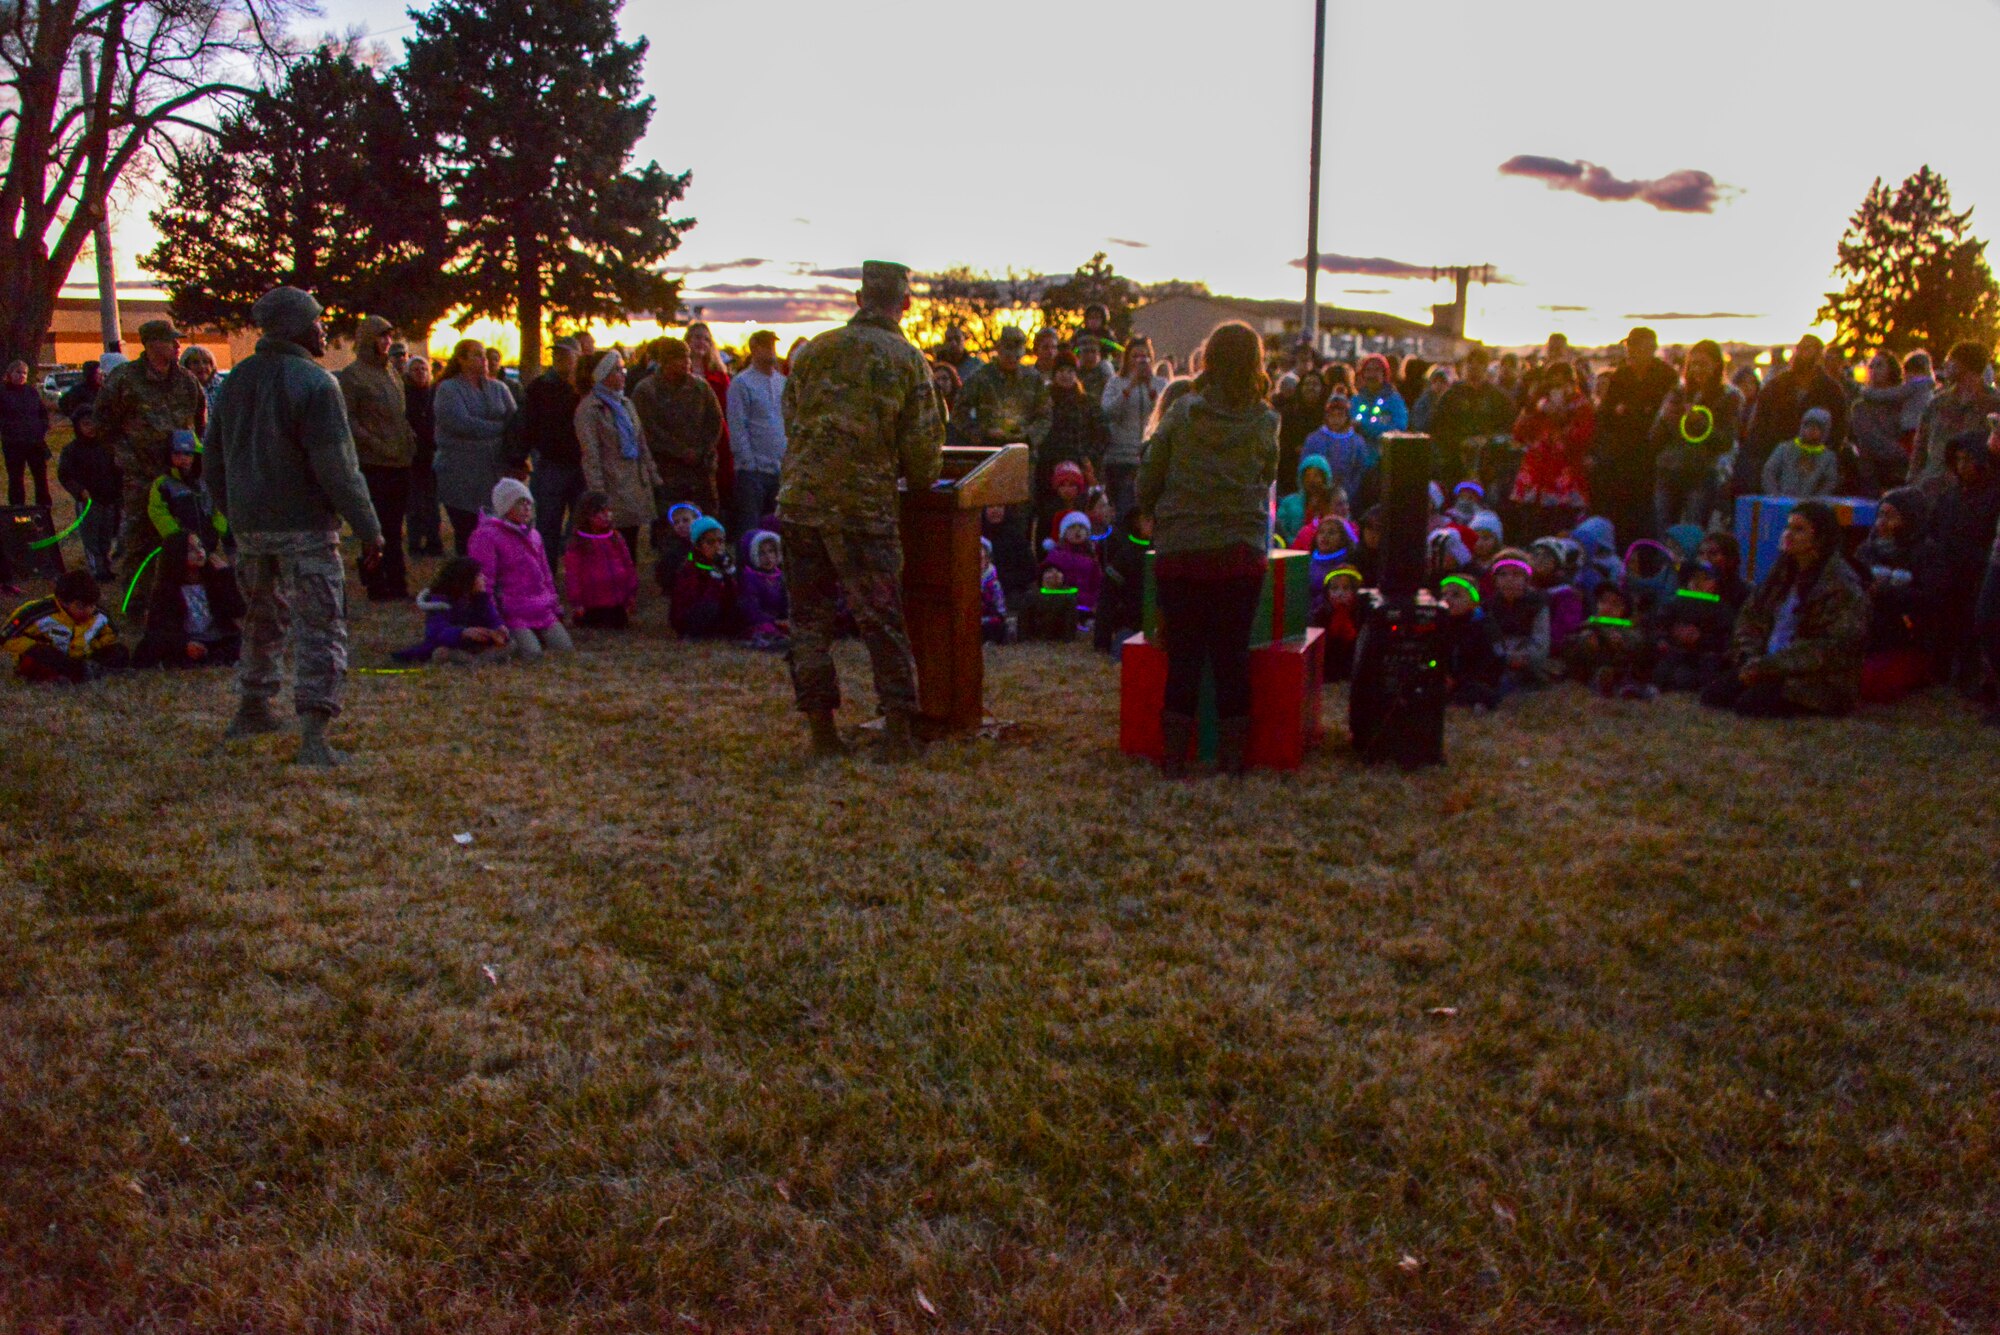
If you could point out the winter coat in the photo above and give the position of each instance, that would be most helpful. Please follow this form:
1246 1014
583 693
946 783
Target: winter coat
628 483
165 639
1556 450
417 410
1081 572
1601 563
280 458
682 424
1775 418
1709 615
517 572
445 625
24 421
705 602
1127 404
1957 549
1565 614
1949 413
1801 471
1076 432
471 429
1687 462
1468 649
1207 477
1624 447
598 571
71 638
1375 415
87 468
174 503
376 411
1821 668
1522 627
1351 456
762 597
549 421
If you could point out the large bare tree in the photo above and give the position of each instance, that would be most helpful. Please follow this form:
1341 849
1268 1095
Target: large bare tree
157 68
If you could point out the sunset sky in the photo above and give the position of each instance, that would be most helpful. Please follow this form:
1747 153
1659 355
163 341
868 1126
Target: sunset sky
1173 136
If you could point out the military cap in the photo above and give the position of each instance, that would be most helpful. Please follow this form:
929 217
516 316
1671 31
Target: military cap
1012 337
884 274
285 310
567 344
159 331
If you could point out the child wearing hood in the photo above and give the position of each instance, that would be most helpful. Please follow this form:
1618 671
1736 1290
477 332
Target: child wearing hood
460 621
1520 616
516 565
1722 551
705 605
767 608
1467 647
1691 632
993 627
1339 612
1609 650
1073 555
1333 545
1887 560
1350 457
598 572
1122 593
1803 467
1307 505
1555 562
672 544
1488 537
1599 542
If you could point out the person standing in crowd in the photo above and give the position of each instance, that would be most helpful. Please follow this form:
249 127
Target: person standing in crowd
1961 404
200 363
756 416
954 353
282 467
1375 407
1781 406
1093 372
24 435
1047 344
1875 425
83 394
1800 640
1206 485
1471 413
1097 325
1624 458
707 362
549 426
422 520
471 411
142 404
1301 403
378 418
682 422
1695 427
1005 402
1437 383
612 447
1127 404
860 414
498 374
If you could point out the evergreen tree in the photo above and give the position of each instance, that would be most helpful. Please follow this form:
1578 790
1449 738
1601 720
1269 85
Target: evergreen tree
534 109
317 183
1914 277
1094 282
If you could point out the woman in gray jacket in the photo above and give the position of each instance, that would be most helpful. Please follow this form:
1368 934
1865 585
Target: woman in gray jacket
472 410
1128 403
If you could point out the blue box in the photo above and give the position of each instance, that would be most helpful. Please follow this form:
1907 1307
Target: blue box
1760 522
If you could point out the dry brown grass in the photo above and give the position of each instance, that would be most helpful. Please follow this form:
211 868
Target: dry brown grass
695 1036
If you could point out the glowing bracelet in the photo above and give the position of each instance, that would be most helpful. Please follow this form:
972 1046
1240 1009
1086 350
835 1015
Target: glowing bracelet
1708 427
1698 595
1608 621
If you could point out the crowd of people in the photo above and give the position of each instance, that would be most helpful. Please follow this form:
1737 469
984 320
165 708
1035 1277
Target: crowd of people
1581 528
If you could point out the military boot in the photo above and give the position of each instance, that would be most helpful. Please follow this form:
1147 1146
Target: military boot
252 718
826 743
313 748
899 739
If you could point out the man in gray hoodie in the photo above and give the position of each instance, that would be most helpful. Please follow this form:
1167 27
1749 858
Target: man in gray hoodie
281 465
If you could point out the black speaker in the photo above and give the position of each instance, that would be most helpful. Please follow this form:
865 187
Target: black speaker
1395 706
21 527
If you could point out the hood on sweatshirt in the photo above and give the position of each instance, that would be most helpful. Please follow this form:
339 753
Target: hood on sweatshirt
365 337
1596 536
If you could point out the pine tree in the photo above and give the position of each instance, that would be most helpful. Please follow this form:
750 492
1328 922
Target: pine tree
1914 277
317 183
534 110
1094 282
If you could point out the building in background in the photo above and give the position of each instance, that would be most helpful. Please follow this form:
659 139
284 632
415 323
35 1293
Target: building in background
75 337
1178 325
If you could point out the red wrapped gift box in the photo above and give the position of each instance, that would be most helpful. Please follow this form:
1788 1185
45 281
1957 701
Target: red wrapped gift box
1285 680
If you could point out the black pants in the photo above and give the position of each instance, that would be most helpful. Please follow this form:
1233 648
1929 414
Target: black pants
422 511
1761 699
1207 624
22 464
462 524
389 491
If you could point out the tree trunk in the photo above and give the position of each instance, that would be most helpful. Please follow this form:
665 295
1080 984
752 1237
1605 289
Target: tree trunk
530 306
28 300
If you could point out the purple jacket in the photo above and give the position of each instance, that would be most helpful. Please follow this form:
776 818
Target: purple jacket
1080 568
598 570
992 599
762 597
517 571
445 625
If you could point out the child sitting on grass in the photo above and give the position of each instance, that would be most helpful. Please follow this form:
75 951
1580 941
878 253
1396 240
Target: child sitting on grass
1555 562
65 638
1074 557
516 565
993 627
1050 612
767 608
1339 612
1520 615
1691 632
194 615
1467 647
598 571
1121 595
671 543
1065 496
1306 506
460 621
1609 650
705 605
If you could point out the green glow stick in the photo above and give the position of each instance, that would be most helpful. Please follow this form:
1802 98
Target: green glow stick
138 575
52 540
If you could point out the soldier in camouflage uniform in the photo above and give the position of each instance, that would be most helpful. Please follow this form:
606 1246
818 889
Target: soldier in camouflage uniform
1004 402
140 407
282 466
859 414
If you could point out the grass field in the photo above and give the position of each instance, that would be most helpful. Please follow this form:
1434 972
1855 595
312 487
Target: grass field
1631 1018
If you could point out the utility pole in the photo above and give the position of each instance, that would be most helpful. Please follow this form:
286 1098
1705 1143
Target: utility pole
107 272
1311 321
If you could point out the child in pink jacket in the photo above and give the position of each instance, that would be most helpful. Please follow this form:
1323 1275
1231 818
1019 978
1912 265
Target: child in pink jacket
598 573
510 552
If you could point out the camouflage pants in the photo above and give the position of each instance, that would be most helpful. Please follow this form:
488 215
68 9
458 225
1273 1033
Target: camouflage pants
819 563
295 586
137 538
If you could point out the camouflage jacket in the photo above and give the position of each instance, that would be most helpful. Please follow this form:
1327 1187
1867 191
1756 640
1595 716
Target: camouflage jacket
1002 409
1821 667
859 414
138 413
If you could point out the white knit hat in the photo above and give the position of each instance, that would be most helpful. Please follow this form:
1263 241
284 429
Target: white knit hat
606 364
506 492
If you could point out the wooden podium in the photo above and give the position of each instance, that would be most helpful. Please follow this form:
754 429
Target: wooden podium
941 580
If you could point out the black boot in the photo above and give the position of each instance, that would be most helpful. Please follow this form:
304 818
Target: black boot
1177 733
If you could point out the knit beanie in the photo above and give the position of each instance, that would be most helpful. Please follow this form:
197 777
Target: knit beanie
285 311
1821 416
1488 522
1073 517
1066 472
702 527
506 492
